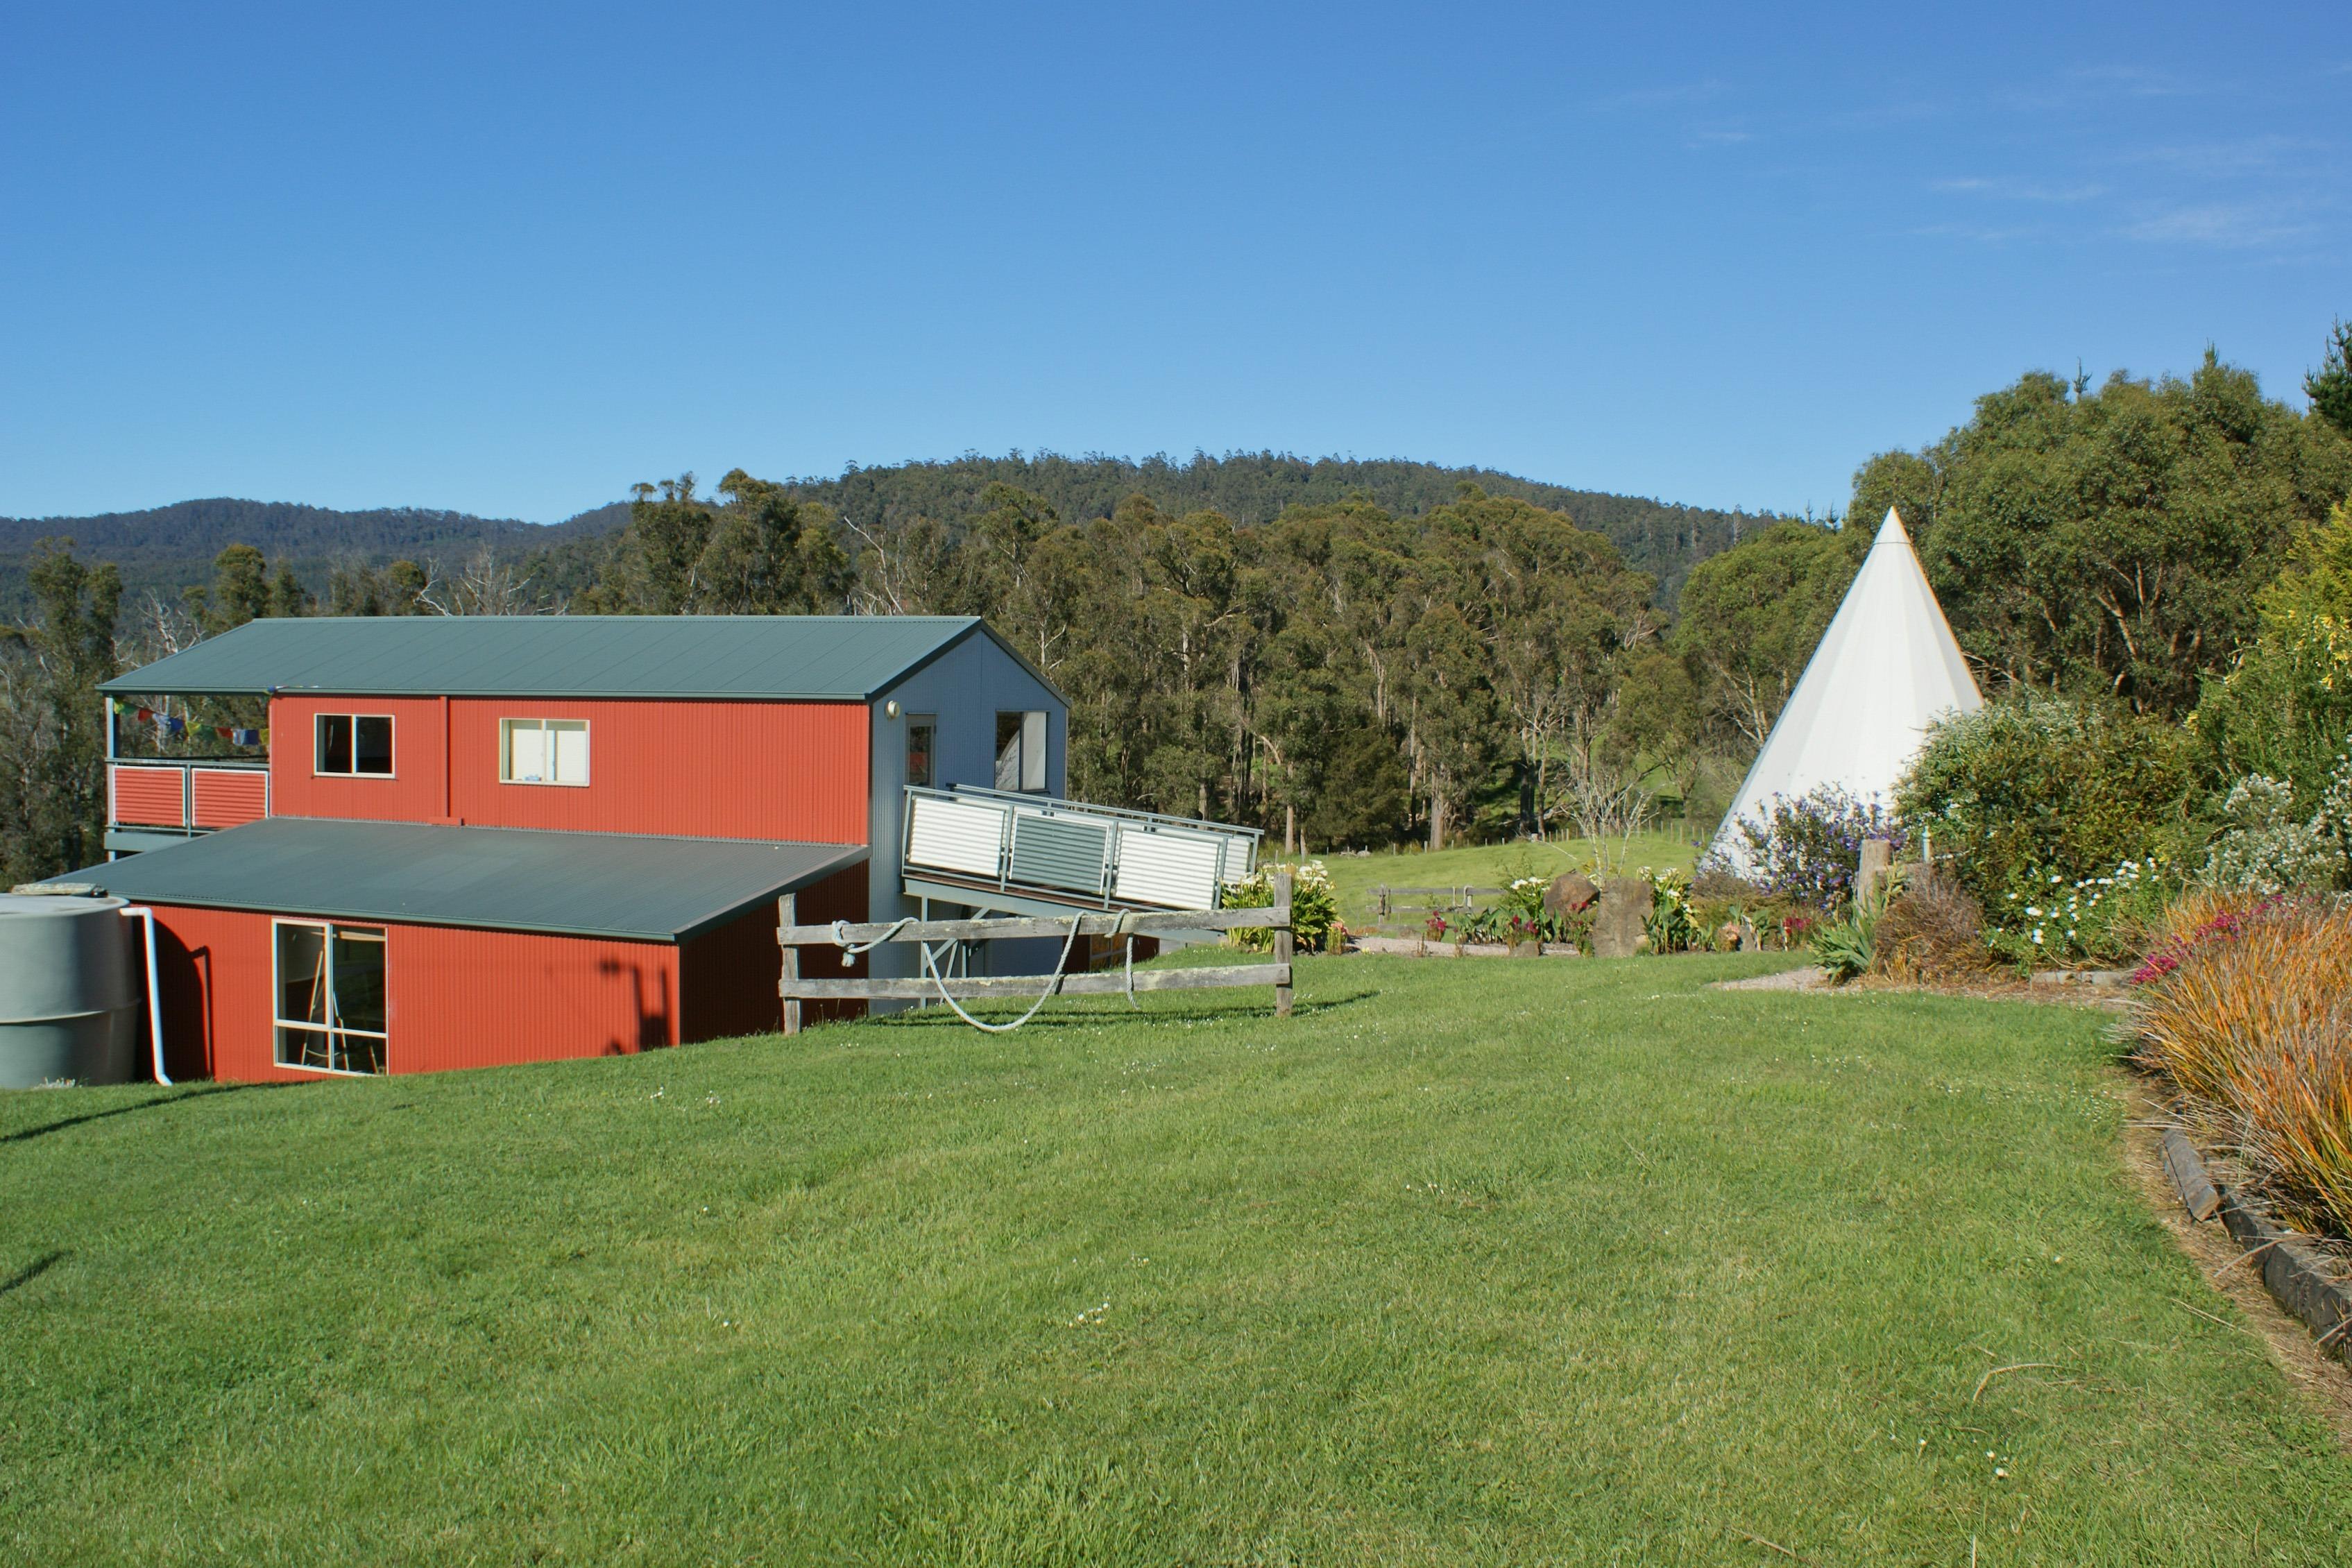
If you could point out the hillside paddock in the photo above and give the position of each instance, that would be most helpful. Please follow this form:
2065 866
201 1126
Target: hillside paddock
1497 1263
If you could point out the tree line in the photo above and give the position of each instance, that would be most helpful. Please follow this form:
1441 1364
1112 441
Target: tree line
1348 674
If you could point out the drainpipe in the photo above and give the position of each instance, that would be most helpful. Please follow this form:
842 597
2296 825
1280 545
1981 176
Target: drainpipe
154 993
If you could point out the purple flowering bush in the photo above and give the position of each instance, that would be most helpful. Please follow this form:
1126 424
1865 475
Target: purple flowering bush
1808 848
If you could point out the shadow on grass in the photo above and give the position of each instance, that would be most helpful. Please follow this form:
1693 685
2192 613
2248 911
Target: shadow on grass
935 1016
26 1135
34 1270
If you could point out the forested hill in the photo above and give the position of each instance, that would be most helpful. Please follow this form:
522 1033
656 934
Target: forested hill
168 548
1255 487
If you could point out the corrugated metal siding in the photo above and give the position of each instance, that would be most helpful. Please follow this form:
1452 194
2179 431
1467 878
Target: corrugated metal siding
1179 870
149 797
727 977
413 792
230 798
457 998
791 771
1059 852
956 836
214 970
480 998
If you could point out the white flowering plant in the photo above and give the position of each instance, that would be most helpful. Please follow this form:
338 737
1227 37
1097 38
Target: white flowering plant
2049 920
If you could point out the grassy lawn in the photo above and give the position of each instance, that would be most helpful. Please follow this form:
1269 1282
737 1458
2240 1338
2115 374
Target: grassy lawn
1481 866
1468 1262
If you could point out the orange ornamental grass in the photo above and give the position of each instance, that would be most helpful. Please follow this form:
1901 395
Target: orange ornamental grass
2247 1009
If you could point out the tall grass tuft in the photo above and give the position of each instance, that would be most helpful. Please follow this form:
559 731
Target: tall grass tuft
2246 1007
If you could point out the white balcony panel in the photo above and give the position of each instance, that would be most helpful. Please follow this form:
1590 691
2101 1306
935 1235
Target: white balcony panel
1176 869
963 836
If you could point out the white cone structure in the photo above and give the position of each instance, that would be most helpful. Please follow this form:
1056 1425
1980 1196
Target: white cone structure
1885 667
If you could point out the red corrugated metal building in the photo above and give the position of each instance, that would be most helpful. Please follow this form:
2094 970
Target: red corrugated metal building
485 840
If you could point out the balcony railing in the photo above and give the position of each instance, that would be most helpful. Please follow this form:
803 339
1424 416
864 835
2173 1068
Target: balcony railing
1068 852
195 795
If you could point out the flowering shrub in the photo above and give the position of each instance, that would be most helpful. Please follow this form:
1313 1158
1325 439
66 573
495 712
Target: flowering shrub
1314 907
1809 847
2031 786
2048 920
2266 850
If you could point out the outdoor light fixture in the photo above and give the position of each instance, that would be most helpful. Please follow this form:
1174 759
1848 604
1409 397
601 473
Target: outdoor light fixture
890 709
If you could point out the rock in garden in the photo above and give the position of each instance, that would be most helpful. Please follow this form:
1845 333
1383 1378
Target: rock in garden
1570 893
1621 923
1731 938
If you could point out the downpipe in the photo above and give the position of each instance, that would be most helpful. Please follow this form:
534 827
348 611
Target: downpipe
154 993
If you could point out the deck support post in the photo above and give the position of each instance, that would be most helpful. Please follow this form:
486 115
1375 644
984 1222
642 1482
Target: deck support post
1282 944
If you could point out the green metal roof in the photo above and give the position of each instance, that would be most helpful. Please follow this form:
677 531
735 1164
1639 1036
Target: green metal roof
629 886
819 657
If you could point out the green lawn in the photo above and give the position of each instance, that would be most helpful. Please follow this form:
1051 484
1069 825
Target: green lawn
1545 1261
1483 865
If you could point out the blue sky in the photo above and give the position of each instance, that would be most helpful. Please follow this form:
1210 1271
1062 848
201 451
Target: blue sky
511 259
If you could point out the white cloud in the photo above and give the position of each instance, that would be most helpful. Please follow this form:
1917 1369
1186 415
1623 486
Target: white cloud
2233 226
2015 188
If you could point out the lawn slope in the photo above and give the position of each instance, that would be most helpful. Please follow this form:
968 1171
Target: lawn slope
1468 1262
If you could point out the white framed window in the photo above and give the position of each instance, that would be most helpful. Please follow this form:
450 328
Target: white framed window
353 745
544 751
327 982
1021 752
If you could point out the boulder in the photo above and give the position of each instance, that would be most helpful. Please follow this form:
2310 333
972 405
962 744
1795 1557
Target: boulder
1570 893
1619 926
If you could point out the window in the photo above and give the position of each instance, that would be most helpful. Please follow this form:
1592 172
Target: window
544 751
922 732
330 991
1021 752
354 744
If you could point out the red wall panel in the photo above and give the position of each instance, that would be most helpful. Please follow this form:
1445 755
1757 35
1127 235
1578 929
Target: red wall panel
149 797
230 798
729 976
412 793
457 997
463 998
694 769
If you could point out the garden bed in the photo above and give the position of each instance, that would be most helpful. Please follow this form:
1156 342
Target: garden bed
2310 1277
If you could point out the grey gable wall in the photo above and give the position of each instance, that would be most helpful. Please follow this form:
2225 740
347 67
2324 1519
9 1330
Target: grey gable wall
965 687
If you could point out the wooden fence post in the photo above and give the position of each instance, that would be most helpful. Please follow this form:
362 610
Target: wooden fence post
792 972
1283 944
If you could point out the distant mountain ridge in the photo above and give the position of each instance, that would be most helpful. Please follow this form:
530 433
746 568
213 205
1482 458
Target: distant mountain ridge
1657 537
167 547
164 549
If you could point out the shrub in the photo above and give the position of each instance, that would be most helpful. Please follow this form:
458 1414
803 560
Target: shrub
1932 932
2265 850
2284 708
2244 1008
1808 847
2031 786
1314 907
2108 918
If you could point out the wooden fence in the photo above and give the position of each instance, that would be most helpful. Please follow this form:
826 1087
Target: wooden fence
797 988
1387 900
